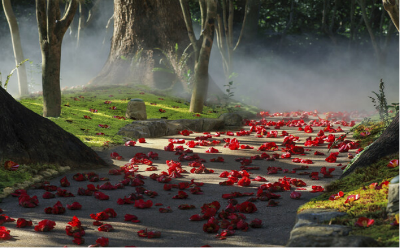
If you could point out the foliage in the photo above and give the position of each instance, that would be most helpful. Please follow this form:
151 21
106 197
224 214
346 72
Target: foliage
10 74
380 104
76 104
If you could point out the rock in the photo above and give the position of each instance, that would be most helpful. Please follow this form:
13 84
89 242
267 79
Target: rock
393 199
64 169
316 216
8 190
37 179
246 114
332 241
45 173
212 124
320 230
231 119
136 110
159 127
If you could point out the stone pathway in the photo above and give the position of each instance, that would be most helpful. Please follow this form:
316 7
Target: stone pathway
175 227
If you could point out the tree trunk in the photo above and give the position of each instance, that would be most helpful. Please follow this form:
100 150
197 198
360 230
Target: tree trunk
202 49
51 31
392 7
141 26
27 138
16 42
386 144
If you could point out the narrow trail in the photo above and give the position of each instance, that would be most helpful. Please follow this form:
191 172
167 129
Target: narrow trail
175 227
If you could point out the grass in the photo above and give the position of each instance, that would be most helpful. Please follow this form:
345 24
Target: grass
372 202
77 103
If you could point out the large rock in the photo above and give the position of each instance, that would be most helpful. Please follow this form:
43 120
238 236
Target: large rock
136 110
231 119
320 230
393 197
316 216
332 241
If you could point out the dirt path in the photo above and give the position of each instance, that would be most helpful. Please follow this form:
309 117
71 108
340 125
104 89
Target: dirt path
175 227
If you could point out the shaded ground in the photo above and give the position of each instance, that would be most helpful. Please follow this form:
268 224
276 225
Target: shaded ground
175 227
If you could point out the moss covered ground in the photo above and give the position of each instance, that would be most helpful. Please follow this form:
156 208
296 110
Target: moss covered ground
370 184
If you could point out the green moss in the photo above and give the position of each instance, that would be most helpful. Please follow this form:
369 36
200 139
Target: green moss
77 104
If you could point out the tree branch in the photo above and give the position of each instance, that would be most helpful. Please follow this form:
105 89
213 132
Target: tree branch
189 25
68 16
41 20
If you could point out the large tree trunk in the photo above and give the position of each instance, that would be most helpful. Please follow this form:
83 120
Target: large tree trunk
141 26
51 32
27 138
386 144
16 42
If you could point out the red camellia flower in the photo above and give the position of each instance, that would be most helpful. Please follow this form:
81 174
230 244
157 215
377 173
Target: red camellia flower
210 227
272 203
295 195
105 228
4 233
393 163
79 177
181 195
64 182
74 206
212 150
336 196
21 222
45 226
142 140
259 179
316 189
143 204
296 150
48 195
352 198
332 157
101 196
58 208
364 222
28 202
130 143
327 174
185 132
100 216
132 218
102 241
247 207
11 166
244 182
149 235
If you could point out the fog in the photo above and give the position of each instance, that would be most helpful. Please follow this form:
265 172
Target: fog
327 79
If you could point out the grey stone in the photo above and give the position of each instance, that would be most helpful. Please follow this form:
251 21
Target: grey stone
316 215
332 241
246 114
231 119
321 230
393 199
212 124
395 179
136 110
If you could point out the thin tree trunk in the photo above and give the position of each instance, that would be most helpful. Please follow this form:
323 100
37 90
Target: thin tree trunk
18 53
51 31
202 49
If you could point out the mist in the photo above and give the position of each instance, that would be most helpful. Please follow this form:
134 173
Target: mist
323 77
78 66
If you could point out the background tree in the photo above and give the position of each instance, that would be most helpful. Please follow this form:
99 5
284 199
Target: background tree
140 27
28 138
202 49
392 7
51 31
16 42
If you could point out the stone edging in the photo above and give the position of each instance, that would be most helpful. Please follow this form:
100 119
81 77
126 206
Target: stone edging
309 230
